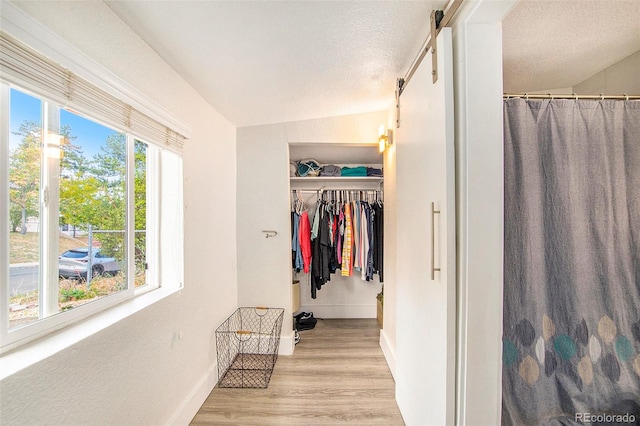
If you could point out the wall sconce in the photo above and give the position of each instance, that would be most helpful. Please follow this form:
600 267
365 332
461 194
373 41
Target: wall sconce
384 139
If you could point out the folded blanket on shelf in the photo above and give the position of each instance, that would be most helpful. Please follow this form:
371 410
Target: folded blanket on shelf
354 171
330 170
371 171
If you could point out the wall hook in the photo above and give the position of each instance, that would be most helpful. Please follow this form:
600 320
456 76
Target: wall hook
269 234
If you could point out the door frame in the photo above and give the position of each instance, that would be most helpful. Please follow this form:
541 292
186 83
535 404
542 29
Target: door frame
477 40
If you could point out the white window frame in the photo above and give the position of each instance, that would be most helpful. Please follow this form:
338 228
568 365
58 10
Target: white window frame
50 317
164 277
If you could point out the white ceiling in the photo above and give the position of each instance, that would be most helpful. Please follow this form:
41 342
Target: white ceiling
260 62
550 44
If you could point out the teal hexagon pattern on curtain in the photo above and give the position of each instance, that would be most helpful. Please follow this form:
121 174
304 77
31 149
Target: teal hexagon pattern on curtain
565 347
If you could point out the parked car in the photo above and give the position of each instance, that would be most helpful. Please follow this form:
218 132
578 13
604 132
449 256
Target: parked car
73 263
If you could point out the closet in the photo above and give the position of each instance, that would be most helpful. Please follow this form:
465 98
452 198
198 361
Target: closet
348 292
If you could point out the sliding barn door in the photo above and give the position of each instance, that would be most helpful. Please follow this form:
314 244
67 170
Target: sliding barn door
426 276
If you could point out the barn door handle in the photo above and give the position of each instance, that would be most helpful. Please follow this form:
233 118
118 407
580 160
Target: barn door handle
434 212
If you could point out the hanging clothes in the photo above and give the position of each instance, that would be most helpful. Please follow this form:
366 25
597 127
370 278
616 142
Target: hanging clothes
364 241
372 243
295 242
378 230
334 234
355 214
316 224
320 273
342 236
347 245
305 241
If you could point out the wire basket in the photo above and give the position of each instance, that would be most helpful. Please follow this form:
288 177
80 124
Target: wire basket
247 343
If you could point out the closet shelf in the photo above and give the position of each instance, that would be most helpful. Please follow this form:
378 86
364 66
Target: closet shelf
336 182
336 179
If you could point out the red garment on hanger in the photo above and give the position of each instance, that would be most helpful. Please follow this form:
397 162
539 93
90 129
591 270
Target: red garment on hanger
305 240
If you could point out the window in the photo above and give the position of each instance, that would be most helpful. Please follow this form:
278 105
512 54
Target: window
84 198
68 239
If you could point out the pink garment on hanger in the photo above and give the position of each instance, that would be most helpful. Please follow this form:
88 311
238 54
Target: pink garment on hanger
347 261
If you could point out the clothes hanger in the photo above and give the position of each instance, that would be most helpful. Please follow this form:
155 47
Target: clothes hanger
301 205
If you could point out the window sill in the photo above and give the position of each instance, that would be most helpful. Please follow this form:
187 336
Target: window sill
46 346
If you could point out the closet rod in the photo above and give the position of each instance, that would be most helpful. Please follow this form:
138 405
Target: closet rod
335 189
568 96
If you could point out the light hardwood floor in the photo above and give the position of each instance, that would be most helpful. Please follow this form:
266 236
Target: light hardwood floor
337 375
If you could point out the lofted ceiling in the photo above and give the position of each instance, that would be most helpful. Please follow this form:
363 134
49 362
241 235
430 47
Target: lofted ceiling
260 62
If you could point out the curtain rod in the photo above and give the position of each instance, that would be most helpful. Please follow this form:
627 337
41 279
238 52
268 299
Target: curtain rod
568 96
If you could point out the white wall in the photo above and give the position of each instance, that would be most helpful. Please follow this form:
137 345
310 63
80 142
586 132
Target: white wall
264 264
155 366
620 78
342 297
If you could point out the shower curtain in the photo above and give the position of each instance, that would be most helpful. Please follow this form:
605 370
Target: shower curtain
571 320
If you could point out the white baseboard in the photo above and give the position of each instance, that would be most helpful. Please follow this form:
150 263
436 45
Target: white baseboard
389 353
342 311
287 343
196 398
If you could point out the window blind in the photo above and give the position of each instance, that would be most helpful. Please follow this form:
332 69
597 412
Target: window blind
25 67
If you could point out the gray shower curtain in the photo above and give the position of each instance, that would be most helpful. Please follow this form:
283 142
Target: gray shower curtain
571 331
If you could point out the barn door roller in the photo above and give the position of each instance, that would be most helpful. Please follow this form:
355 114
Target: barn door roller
438 20
435 19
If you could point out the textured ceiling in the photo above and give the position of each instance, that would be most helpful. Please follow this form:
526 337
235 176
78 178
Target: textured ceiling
550 44
260 62
263 62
